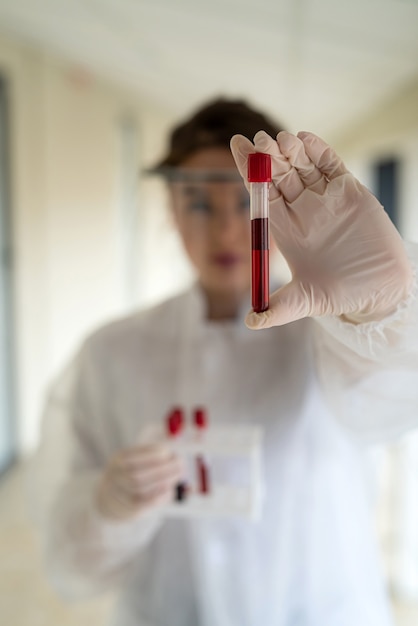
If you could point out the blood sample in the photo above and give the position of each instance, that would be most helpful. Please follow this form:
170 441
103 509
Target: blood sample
200 419
201 422
203 475
174 426
259 177
175 422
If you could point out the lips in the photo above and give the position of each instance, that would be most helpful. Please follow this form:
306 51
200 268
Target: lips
226 259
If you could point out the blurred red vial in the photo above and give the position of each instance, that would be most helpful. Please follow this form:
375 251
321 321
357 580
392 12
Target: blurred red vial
200 418
203 475
175 422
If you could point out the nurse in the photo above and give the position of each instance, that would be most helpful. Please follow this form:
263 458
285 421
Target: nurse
343 373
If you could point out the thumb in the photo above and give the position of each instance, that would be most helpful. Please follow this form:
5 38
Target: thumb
288 304
241 147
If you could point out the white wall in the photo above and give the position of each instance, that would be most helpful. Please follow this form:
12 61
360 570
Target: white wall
391 130
70 261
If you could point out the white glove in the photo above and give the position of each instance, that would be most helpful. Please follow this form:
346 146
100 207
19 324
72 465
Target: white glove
345 255
138 480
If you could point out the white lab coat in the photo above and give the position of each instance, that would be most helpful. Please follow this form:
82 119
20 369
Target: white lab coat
319 388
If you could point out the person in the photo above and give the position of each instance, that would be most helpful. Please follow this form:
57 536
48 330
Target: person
334 367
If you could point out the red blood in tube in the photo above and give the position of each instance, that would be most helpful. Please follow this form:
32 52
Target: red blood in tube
178 418
174 426
260 264
200 418
175 422
203 475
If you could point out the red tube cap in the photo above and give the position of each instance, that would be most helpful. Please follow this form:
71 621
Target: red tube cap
259 168
200 418
175 422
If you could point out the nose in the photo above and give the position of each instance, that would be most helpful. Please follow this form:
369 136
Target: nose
229 224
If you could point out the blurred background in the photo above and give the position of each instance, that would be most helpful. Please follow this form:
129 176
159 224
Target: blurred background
88 91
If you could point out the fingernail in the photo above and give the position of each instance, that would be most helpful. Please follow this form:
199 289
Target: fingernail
255 321
261 134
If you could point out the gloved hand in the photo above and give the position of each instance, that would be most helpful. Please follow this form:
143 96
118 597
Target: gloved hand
137 480
345 255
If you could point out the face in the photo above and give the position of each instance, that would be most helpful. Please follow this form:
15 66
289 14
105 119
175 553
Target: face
213 220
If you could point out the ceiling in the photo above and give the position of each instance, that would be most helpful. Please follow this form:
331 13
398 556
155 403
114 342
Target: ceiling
313 64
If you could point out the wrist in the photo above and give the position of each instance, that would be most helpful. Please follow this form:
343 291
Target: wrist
384 305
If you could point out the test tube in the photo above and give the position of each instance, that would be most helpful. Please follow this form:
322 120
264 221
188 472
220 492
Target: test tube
175 422
174 426
259 177
200 419
203 475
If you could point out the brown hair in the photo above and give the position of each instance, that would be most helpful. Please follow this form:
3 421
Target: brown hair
213 125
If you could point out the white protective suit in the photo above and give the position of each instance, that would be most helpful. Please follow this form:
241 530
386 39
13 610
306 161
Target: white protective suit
319 387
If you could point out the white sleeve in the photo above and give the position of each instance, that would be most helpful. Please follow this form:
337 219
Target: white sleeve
369 372
84 553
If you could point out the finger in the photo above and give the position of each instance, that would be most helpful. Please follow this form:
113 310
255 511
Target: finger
163 484
174 469
133 502
288 304
294 150
281 220
141 456
241 147
142 486
280 165
322 155
155 499
143 481
264 143
285 177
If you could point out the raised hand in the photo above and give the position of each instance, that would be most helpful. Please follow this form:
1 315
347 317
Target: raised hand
137 480
345 255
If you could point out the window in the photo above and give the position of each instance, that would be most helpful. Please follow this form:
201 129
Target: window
386 186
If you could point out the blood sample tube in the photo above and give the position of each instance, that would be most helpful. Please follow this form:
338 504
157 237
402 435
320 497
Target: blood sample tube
200 418
203 475
201 423
174 426
175 422
259 177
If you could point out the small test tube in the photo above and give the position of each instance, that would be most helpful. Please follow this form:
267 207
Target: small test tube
175 422
200 419
259 177
174 426
201 423
203 475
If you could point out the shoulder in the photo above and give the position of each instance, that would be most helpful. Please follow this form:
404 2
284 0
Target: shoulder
158 322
